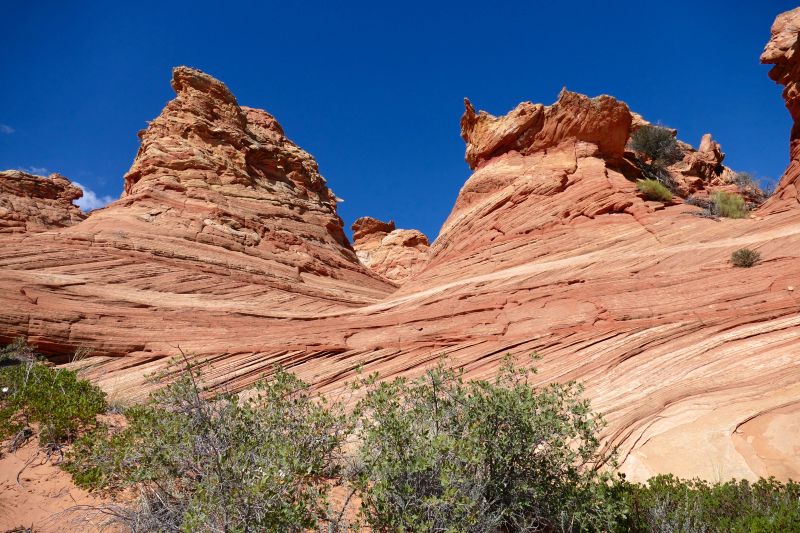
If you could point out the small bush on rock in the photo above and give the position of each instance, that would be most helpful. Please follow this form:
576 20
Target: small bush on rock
654 190
745 258
658 145
729 205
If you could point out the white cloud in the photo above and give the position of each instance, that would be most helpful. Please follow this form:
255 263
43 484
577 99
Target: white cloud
39 171
90 200
6 129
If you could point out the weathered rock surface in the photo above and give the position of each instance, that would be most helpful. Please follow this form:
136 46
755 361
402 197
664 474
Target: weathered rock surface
30 204
781 51
549 248
220 211
395 254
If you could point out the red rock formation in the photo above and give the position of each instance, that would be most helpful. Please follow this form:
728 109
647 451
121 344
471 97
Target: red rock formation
549 248
395 254
220 211
532 128
781 51
30 204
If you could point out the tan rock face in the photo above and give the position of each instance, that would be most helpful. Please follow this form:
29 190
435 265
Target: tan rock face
30 204
395 254
781 51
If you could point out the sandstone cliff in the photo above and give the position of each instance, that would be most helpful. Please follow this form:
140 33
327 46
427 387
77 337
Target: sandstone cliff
781 51
395 254
30 204
549 248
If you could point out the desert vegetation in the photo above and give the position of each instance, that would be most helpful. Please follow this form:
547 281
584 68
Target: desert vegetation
654 190
656 148
435 454
745 258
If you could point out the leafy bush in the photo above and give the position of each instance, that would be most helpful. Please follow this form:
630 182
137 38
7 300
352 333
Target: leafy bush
745 258
16 353
201 460
658 145
440 454
55 400
654 190
729 205
667 504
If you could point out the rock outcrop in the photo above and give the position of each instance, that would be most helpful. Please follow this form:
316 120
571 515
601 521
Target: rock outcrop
31 204
395 254
221 213
549 248
781 51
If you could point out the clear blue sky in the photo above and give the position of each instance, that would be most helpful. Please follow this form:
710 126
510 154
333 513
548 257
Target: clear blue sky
374 89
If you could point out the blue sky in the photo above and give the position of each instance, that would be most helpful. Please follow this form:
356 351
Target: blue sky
374 89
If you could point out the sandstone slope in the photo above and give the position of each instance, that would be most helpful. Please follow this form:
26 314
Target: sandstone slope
549 248
31 204
395 254
223 219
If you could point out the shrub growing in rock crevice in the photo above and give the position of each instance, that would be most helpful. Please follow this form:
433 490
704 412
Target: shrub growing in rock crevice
654 190
745 258
656 148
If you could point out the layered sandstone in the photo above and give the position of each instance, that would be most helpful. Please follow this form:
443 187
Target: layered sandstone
222 217
31 204
395 254
549 248
781 51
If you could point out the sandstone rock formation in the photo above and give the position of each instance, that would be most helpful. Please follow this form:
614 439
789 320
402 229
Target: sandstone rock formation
781 51
549 248
395 254
30 204
220 211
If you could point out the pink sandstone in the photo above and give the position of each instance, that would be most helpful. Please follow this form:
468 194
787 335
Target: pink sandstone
549 248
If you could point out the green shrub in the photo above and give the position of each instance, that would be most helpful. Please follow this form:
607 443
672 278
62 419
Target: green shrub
729 205
667 504
440 454
16 353
654 190
55 400
745 258
206 461
659 146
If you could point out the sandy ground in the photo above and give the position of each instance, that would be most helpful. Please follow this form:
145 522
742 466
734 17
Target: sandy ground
44 490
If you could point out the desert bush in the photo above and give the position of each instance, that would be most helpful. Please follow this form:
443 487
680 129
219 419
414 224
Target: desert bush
668 504
202 460
657 145
750 187
729 205
53 400
441 454
16 353
745 258
654 190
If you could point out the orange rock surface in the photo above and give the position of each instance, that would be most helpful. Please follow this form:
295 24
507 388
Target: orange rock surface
227 243
30 204
395 254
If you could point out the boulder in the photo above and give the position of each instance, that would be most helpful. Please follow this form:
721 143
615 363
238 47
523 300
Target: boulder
395 254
